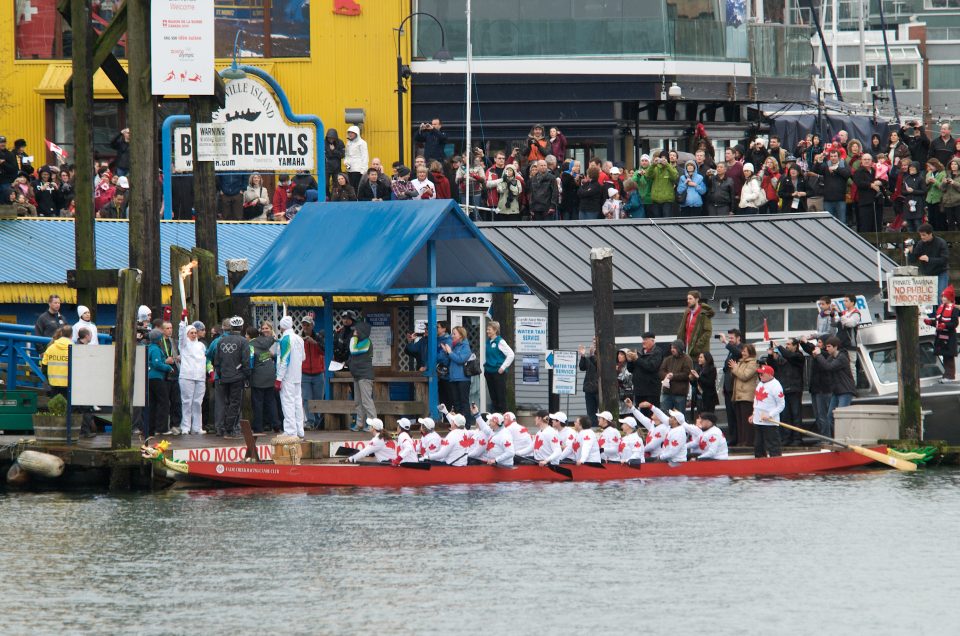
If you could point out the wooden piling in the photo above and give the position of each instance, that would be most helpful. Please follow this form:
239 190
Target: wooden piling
908 364
204 181
82 95
206 272
601 274
237 268
125 356
503 312
144 243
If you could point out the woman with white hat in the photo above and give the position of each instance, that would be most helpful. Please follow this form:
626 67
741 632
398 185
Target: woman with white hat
631 446
430 441
84 323
383 450
752 197
406 451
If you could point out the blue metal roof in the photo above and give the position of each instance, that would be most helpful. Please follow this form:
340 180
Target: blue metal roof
41 250
378 248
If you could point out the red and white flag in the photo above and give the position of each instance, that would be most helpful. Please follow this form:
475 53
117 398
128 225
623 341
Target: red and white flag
57 150
766 330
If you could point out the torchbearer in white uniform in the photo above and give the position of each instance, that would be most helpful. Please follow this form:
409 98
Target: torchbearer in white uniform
566 433
383 450
289 367
656 430
455 447
609 438
406 451
631 446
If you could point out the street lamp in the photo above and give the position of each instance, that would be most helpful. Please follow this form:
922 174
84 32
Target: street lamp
403 71
234 72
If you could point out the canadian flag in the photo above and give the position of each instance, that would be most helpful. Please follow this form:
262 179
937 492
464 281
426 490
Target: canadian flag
57 150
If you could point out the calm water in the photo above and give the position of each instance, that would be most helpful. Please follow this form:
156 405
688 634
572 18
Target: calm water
873 552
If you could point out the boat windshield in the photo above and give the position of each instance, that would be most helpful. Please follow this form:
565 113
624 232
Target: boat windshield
885 362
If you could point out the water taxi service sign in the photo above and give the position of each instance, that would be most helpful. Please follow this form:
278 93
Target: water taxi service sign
913 291
250 134
181 47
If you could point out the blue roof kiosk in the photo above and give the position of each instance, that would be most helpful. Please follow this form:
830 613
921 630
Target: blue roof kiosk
389 248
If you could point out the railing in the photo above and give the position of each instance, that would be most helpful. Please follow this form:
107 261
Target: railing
775 50
20 359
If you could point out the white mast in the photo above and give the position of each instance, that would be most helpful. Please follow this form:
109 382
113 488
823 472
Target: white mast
468 151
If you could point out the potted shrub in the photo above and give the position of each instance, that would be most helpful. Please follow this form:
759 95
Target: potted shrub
51 425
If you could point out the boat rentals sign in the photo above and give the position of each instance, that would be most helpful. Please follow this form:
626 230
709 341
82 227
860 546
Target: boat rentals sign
249 134
912 291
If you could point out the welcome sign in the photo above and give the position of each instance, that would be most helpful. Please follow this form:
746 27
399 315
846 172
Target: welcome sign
249 134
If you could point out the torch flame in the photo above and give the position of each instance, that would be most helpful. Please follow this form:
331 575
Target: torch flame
185 270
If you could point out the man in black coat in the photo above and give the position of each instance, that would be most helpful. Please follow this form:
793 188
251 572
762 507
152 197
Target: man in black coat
931 255
835 363
733 343
789 363
835 174
644 365
917 141
869 188
544 193
433 139
375 186
8 168
49 321
944 146
720 195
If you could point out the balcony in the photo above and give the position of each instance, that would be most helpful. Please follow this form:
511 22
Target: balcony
773 50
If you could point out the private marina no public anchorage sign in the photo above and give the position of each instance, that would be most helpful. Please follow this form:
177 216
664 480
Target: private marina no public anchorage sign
250 134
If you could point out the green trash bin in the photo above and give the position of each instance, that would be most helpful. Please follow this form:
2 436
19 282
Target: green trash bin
16 410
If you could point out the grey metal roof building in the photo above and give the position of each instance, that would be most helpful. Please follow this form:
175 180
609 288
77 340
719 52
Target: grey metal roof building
778 255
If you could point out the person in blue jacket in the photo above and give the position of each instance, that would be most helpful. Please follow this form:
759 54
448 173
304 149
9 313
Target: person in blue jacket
692 187
454 356
159 364
632 203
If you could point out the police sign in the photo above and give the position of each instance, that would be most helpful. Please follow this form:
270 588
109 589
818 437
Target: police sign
250 134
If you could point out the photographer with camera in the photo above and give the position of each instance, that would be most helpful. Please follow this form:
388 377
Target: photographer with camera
663 177
916 139
433 139
720 195
46 194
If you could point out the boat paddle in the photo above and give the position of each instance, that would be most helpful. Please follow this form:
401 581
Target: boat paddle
343 451
899 464
566 472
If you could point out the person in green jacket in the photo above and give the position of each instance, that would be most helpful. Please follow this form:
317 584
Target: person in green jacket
642 180
934 179
663 179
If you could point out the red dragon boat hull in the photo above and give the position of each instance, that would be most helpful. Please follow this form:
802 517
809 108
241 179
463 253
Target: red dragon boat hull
381 476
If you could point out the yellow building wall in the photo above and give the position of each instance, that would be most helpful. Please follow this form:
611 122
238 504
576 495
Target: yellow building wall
352 64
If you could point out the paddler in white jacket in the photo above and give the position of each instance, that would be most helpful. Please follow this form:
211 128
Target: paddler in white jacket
546 443
675 447
609 438
713 445
456 446
429 439
406 451
768 403
584 449
384 450
522 442
499 449
631 446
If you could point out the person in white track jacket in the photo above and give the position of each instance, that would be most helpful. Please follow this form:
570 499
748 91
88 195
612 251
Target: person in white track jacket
406 451
455 447
193 377
430 441
355 158
499 446
584 449
675 447
522 442
289 367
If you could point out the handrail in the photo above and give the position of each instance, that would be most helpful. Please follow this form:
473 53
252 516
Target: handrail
15 349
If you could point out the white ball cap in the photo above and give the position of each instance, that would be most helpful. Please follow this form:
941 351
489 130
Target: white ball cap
679 415
560 416
629 421
427 423
458 420
509 416
404 423
495 417
607 415
375 423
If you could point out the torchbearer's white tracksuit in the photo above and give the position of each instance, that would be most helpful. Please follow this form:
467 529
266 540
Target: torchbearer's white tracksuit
713 445
693 444
522 442
406 451
289 372
429 444
193 381
382 450
546 446
609 442
631 448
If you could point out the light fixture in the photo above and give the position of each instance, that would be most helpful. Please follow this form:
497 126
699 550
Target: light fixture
234 72
675 92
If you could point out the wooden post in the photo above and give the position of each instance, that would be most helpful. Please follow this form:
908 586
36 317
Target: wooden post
601 274
144 208
502 310
204 182
237 268
83 224
206 272
553 343
908 364
178 258
125 356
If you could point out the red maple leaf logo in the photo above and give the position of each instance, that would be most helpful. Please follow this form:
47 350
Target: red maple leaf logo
576 446
781 394
602 441
432 447
391 444
657 435
505 444
703 443
674 443
537 445
586 438
524 430
637 445
649 438
466 442
556 441
761 393
445 443
621 447
713 438
490 446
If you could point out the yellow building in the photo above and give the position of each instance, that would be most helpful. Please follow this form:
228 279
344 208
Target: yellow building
330 62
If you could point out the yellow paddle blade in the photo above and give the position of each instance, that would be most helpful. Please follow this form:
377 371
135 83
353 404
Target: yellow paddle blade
899 464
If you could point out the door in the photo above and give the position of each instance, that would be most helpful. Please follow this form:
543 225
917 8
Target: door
475 322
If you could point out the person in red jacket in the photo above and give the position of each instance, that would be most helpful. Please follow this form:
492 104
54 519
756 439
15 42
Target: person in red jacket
440 181
281 195
311 384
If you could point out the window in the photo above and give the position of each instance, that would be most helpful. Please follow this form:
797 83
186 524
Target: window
281 31
885 362
941 4
782 320
106 123
904 75
944 76
630 324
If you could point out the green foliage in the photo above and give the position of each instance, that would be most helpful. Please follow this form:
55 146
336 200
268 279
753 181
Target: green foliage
56 406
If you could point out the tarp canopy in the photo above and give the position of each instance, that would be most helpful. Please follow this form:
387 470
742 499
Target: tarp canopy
379 248
792 122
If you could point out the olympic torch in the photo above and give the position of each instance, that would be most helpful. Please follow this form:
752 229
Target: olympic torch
184 272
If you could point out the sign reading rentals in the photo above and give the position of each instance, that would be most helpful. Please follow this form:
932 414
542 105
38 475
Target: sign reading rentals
249 134
912 291
181 47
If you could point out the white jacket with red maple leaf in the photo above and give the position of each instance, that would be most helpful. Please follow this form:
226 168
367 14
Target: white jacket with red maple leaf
500 447
768 400
546 446
382 450
609 442
631 448
656 432
584 448
430 443
522 442
567 436
406 451
479 438
675 447
694 433
713 445
454 448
